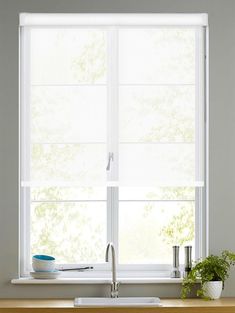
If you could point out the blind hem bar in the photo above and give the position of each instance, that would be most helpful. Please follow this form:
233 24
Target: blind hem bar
112 184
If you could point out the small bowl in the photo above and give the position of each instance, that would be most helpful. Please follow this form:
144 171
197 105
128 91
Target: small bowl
43 263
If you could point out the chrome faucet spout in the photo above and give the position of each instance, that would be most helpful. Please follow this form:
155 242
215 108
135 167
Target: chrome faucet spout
114 284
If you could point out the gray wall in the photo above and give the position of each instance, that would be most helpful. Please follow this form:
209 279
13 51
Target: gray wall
222 131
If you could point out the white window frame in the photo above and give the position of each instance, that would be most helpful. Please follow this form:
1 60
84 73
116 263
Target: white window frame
202 99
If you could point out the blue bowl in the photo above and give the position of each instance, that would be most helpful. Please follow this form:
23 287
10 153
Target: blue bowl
44 257
43 263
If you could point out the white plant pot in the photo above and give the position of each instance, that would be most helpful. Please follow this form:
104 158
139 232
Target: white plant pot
213 289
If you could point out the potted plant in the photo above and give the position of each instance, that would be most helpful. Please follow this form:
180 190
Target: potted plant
211 273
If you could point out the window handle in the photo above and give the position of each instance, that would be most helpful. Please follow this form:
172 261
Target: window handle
110 158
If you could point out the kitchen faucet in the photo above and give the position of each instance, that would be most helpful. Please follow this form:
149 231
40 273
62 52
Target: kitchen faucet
114 284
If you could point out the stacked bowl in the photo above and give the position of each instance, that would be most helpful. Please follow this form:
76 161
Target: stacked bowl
44 267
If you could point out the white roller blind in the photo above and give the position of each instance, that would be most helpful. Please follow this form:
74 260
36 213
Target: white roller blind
40 19
155 98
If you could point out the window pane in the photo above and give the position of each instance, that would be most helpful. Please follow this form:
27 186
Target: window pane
69 162
68 56
147 230
160 56
52 193
68 114
157 114
72 232
156 193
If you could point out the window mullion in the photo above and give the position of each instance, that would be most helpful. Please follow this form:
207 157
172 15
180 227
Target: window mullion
112 145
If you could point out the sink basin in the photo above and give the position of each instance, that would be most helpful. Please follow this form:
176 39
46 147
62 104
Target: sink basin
124 302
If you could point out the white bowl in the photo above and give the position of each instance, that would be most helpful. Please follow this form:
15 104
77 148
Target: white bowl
43 265
45 275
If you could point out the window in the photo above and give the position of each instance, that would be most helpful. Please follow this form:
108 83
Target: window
112 137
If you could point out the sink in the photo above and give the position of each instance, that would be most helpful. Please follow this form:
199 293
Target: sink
120 302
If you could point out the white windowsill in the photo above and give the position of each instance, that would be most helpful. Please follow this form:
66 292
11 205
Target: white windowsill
132 280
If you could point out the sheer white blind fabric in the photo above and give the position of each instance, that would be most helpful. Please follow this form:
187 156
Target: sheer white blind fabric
139 159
